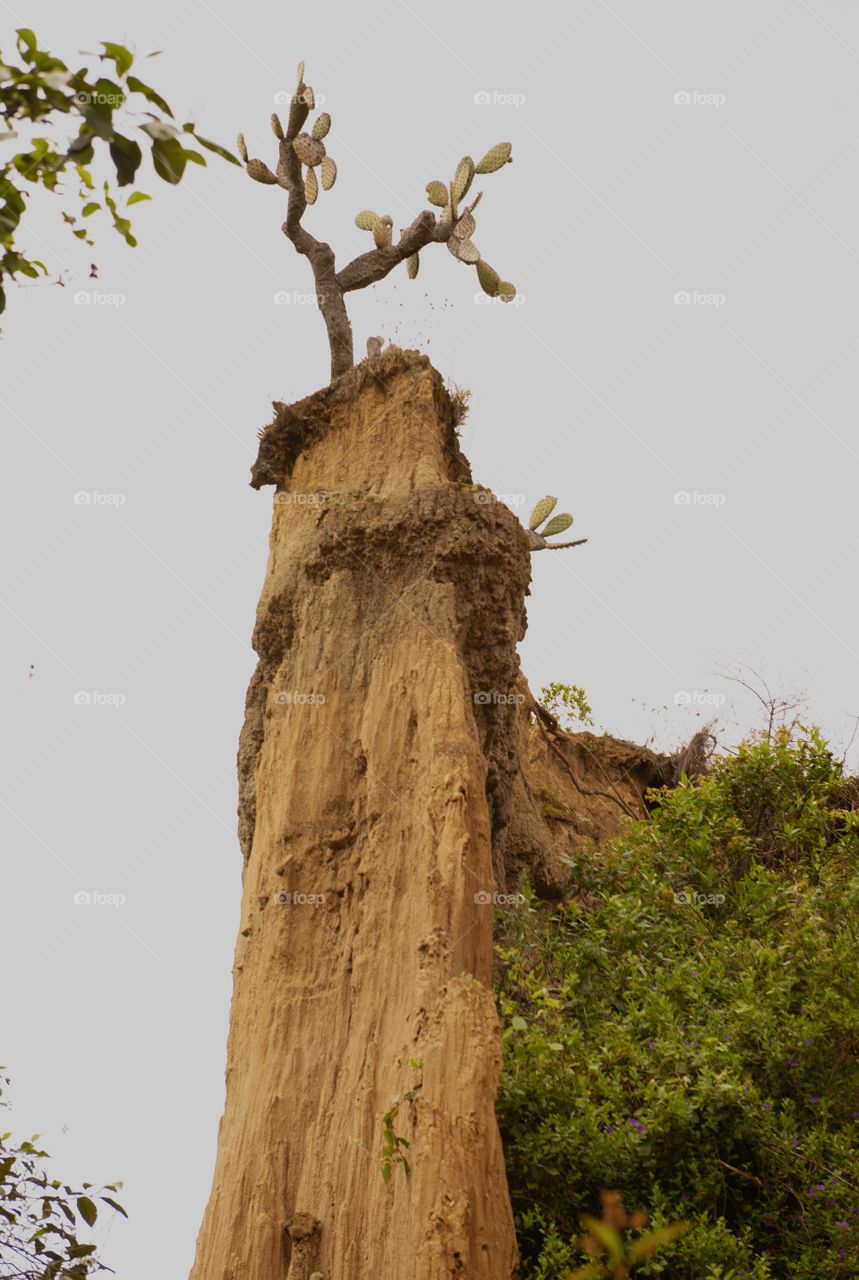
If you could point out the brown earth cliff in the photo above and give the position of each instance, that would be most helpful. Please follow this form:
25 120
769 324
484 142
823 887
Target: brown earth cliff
394 774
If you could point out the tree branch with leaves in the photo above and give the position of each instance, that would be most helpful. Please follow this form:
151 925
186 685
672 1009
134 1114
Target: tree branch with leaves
43 91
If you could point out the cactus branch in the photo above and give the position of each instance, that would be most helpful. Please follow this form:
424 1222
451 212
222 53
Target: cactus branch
453 227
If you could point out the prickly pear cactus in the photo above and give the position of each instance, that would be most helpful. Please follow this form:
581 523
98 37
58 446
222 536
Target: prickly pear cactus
495 157
328 169
538 539
321 126
260 172
311 187
542 510
413 266
308 150
437 193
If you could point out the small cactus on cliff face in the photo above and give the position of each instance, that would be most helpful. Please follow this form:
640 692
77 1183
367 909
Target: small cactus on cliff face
538 538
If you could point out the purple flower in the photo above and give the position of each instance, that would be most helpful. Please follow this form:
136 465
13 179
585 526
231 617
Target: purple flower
768 1222
794 1062
843 1224
815 1097
609 1128
808 1042
768 1106
637 1125
684 1195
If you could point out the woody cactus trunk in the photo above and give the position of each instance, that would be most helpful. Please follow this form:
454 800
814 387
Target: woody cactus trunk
454 226
377 763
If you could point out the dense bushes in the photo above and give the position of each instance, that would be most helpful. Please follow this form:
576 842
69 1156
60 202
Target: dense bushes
684 1028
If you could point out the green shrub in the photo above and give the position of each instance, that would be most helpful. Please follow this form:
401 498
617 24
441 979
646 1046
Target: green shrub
684 1028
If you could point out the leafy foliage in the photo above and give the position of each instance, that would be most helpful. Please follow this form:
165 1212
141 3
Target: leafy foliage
99 110
40 1217
567 703
685 1027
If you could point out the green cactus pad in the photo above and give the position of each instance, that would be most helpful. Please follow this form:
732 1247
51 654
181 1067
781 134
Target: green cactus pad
558 524
542 510
495 158
437 193
462 179
241 147
276 126
321 126
328 170
298 113
413 265
490 280
300 73
308 150
466 227
366 219
464 250
506 291
311 187
383 231
260 172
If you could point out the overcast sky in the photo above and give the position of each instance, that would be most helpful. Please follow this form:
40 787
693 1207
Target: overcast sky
680 370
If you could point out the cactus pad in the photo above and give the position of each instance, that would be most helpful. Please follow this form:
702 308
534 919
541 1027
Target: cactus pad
437 193
311 187
321 126
464 250
241 147
413 265
260 172
558 524
506 291
542 510
465 228
462 179
495 157
308 150
366 219
383 231
276 126
300 73
490 280
328 170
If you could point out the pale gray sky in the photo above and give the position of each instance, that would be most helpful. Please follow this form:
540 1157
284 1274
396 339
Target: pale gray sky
599 387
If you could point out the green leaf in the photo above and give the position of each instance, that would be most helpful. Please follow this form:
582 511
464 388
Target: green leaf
137 86
169 159
136 197
121 56
114 1205
126 156
194 157
213 146
518 1023
87 1210
92 207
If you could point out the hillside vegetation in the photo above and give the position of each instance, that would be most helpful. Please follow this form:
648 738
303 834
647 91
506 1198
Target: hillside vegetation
683 1029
